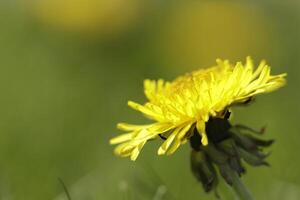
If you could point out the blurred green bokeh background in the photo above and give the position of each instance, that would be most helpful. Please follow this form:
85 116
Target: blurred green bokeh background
68 67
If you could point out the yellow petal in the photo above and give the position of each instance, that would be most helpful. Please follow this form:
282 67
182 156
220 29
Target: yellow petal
130 127
121 138
201 129
164 147
179 139
136 151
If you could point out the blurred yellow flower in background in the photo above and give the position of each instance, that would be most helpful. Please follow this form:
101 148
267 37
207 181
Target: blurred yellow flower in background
102 17
190 101
196 32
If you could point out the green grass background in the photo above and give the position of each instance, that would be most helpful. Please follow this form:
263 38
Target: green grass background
63 93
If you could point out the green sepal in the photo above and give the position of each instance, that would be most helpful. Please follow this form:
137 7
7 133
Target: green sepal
246 128
203 170
236 165
227 146
225 172
215 154
250 158
260 142
242 140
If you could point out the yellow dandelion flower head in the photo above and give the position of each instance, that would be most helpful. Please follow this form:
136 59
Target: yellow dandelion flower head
189 101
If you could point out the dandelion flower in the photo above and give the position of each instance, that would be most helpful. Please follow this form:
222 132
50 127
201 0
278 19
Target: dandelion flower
190 101
196 107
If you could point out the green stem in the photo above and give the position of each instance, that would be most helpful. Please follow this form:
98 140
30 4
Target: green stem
239 188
